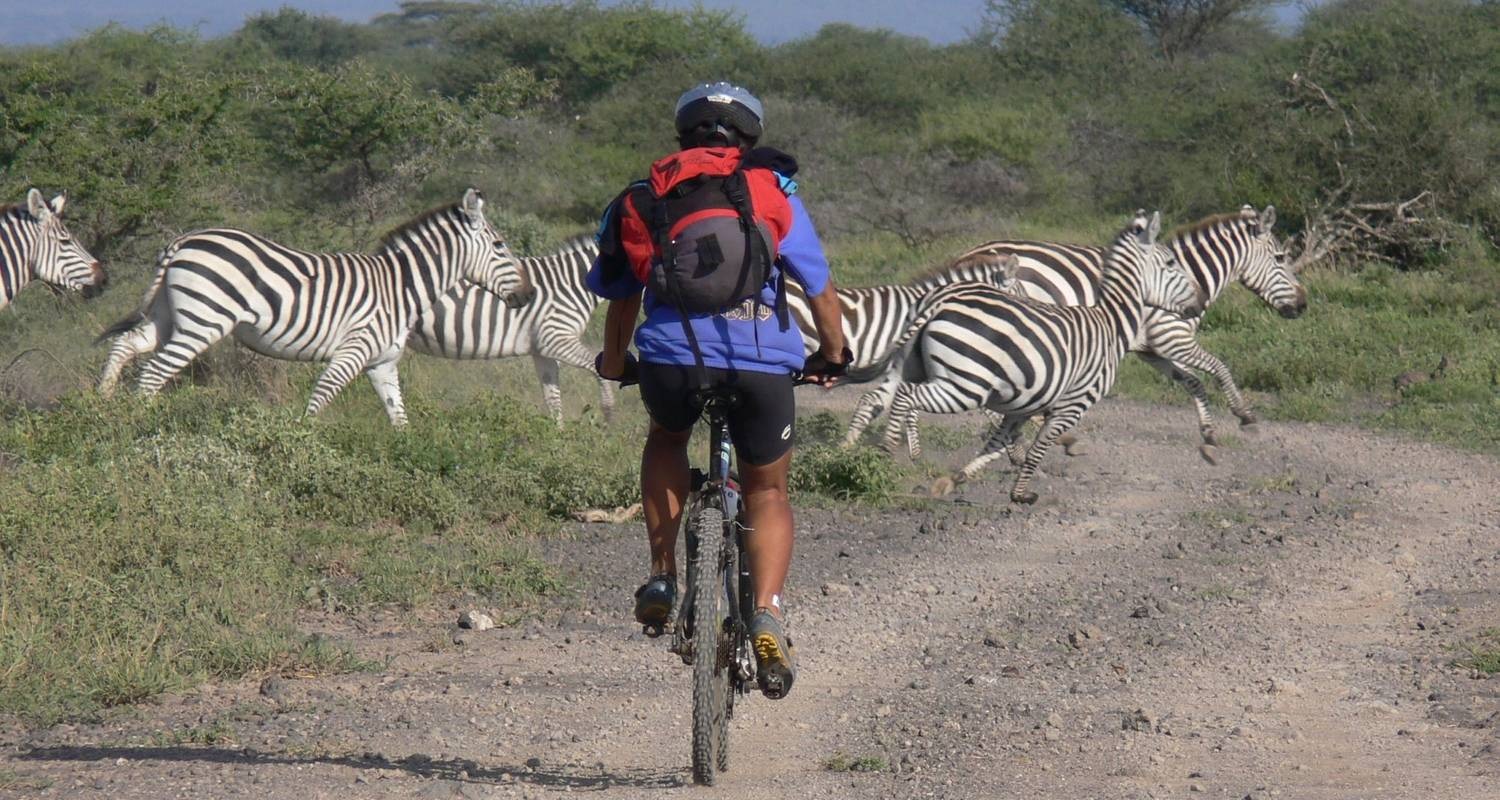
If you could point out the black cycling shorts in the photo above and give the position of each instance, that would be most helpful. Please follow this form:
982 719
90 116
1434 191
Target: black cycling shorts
762 426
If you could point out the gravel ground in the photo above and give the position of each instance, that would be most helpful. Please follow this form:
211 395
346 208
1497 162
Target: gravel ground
1280 625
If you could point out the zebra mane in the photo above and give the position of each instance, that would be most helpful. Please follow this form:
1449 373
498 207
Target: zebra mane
7 208
391 236
939 270
1204 224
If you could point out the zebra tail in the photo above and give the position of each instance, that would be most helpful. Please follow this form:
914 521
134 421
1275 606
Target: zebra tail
137 317
902 348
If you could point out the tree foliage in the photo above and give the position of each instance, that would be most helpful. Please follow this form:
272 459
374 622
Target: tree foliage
1052 111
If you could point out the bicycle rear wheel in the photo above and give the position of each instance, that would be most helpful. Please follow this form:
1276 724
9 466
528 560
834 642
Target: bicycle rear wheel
710 673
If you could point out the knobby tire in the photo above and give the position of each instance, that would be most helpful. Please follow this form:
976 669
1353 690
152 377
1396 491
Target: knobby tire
710 680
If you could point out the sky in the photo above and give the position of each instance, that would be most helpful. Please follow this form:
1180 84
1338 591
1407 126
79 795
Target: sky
771 21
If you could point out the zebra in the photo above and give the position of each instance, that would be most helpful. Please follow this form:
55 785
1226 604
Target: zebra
470 322
350 309
876 316
971 346
34 243
1216 251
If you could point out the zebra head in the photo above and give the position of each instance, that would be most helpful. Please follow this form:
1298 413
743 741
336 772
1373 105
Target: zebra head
1165 284
1267 269
56 257
489 261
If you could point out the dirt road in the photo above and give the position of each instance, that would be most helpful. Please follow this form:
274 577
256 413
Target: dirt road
1281 625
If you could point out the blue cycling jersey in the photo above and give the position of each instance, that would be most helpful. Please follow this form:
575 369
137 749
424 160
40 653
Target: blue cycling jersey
729 340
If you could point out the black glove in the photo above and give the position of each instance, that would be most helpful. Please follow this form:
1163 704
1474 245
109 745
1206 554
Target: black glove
629 376
820 367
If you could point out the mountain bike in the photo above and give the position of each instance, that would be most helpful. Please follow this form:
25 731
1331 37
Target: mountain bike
712 630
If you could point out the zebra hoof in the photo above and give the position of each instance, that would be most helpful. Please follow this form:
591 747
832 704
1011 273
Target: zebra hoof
1024 498
942 487
1074 448
1250 426
1209 452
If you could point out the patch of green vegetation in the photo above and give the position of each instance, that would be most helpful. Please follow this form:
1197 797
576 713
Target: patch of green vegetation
1267 484
1482 654
840 762
147 546
10 780
1218 591
853 473
212 733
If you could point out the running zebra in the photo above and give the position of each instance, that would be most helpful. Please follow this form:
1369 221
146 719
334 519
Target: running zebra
353 310
1216 251
34 243
471 323
971 346
876 316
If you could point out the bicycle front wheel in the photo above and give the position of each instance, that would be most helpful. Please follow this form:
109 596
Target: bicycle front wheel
710 672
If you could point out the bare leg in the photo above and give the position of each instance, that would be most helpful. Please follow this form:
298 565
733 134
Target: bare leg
664 490
768 512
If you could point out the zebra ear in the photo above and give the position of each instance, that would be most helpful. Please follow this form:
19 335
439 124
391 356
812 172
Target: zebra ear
1268 218
1153 230
58 202
473 207
37 207
1009 264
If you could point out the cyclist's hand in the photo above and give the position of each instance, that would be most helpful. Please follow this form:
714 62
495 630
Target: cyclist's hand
824 372
627 374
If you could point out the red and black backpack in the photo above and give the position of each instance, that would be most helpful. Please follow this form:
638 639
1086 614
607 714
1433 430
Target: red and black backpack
703 231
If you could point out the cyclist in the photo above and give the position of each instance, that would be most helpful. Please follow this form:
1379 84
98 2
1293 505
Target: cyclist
751 346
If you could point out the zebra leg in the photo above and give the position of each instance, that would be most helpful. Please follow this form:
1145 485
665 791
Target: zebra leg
870 405
1198 358
1181 375
569 350
388 387
350 358
189 338
546 372
934 396
140 339
1001 441
1056 424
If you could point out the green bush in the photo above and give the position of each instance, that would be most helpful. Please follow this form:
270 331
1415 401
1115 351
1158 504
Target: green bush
857 473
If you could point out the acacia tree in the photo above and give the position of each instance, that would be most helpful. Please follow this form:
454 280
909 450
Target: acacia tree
1181 26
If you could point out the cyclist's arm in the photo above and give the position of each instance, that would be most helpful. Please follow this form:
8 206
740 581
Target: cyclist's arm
611 278
619 326
828 318
802 256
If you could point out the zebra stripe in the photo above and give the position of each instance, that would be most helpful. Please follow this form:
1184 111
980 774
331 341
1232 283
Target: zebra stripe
470 322
876 316
1216 251
353 310
34 243
976 346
